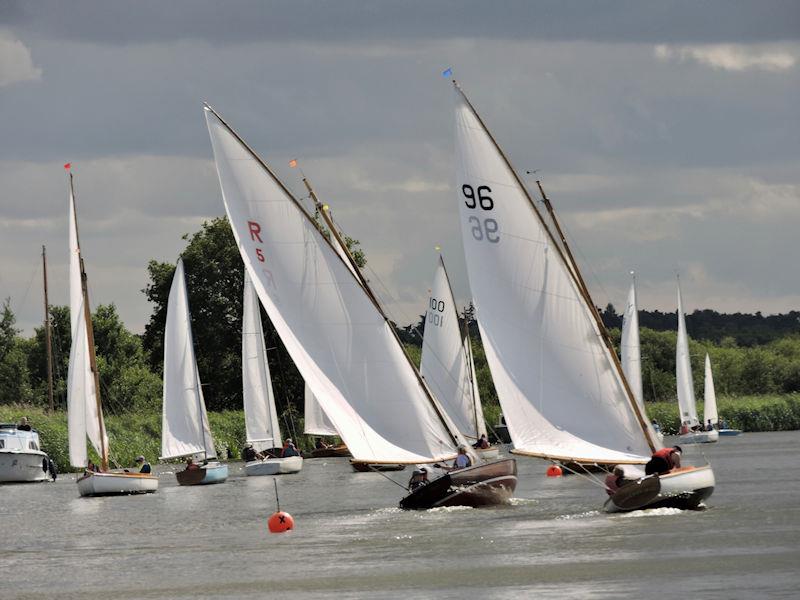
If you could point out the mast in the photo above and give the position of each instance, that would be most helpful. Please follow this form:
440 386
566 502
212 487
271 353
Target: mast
48 342
87 317
569 262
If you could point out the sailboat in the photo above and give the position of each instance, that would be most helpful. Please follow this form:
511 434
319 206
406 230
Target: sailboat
447 364
692 431
261 417
184 424
710 404
84 406
317 423
561 387
631 351
338 335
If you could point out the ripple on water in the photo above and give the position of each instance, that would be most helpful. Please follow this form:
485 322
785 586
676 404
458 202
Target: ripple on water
583 515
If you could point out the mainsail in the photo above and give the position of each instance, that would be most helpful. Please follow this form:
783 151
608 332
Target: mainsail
83 419
338 338
630 348
710 396
316 422
683 370
561 393
260 415
184 424
445 362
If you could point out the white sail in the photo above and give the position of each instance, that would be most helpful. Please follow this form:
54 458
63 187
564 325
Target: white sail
683 370
630 348
561 394
260 415
82 418
710 396
474 384
340 342
444 363
316 422
184 423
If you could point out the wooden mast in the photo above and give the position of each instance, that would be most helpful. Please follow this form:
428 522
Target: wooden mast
87 317
571 266
48 342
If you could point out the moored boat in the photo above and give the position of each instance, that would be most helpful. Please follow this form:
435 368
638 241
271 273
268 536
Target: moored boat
21 458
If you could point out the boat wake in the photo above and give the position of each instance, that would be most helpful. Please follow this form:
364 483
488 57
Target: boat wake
651 512
583 515
522 501
447 509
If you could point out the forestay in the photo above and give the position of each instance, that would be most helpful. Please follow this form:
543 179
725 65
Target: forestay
260 415
561 394
683 370
82 418
710 396
184 424
630 348
316 422
337 338
445 359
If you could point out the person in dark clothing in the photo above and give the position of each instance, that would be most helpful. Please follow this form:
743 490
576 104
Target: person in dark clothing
23 424
289 449
663 461
320 445
145 466
615 480
482 443
709 426
249 454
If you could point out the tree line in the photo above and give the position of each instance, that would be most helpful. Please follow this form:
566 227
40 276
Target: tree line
750 354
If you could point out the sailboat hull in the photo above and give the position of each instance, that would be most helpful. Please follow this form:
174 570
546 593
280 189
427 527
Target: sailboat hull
363 467
116 483
683 488
335 451
699 437
206 475
274 466
489 484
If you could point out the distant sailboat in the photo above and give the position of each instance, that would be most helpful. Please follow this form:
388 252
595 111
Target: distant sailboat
317 423
338 336
261 417
560 384
446 362
692 431
184 424
710 404
84 408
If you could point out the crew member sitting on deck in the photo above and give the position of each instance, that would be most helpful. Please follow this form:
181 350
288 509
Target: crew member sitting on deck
23 424
249 454
664 460
709 426
615 480
191 465
289 449
656 426
418 478
320 445
482 442
141 462
463 460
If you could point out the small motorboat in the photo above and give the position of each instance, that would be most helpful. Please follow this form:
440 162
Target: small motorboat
488 484
365 467
21 459
274 466
116 483
330 452
684 488
203 474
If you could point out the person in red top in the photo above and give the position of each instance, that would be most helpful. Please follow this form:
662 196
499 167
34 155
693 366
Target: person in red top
664 460
615 480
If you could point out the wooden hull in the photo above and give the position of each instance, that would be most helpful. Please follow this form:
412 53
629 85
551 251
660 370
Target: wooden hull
18 467
206 475
362 467
274 466
489 484
699 437
683 488
116 483
336 451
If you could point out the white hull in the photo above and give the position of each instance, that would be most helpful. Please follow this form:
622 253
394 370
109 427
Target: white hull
116 483
16 466
489 453
274 466
683 488
699 437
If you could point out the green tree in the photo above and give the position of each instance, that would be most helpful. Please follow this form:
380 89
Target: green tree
14 376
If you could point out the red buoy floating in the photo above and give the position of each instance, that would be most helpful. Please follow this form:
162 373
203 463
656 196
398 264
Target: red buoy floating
554 471
280 521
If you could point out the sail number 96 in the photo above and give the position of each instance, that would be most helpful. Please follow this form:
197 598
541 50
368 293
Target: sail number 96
482 228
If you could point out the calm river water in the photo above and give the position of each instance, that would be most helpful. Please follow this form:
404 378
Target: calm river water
350 540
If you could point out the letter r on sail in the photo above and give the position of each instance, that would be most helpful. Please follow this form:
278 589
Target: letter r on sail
255 229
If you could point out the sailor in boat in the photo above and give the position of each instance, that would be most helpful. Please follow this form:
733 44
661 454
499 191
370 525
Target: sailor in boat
482 443
615 480
191 465
320 445
709 426
462 461
656 426
664 461
289 449
418 478
23 424
144 466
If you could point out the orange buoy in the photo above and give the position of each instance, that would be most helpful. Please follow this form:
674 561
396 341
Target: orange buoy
280 522
554 471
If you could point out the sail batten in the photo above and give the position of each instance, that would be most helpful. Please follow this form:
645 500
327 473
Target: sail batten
337 337
560 390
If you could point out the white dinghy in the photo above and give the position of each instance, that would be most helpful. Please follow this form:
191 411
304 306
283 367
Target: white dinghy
84 408
447 364
338 336
560 384
692 430
184 424
261 417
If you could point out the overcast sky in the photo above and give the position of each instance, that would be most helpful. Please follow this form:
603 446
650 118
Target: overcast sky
666 134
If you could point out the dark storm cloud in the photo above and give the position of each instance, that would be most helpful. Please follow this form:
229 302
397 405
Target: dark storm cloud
684 21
